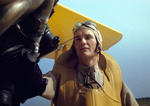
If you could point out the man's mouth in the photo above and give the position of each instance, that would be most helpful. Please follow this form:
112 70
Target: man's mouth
84 48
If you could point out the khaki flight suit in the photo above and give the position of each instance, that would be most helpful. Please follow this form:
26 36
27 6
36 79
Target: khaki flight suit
70 92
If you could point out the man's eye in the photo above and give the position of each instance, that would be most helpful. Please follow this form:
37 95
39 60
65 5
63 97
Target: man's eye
77 39
88 37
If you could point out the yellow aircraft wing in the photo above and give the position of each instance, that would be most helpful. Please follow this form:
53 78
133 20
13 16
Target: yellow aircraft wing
62 23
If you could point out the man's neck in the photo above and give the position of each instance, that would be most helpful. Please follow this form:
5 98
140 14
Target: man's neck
89 61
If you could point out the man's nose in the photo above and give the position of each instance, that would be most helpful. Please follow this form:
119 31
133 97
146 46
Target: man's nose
83 41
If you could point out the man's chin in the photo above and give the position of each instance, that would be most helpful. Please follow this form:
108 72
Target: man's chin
84 54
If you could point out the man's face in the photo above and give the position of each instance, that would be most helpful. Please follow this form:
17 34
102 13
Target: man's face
85 43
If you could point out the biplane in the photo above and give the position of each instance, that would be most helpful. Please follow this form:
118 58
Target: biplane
61 25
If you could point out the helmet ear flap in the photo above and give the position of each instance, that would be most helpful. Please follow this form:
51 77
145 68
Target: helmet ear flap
98 39
72 49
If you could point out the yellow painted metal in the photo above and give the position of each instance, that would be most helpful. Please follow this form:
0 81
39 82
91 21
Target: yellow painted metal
62 23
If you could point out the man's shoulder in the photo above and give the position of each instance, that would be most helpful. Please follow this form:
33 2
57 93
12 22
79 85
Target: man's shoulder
66 60
65 57
65 64
107 60
110 67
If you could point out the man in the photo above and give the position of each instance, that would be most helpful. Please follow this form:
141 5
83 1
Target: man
87 76
23 25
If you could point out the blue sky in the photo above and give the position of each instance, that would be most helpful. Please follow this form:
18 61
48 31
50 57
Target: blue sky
132 19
